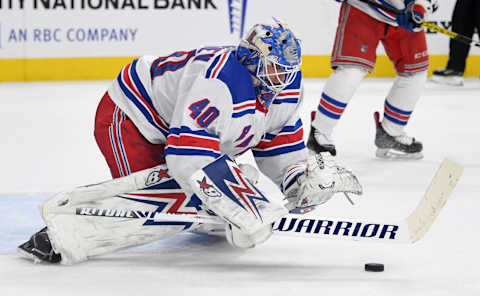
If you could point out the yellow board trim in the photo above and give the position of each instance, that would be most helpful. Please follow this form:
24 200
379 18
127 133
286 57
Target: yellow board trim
58 69
100 68
319 66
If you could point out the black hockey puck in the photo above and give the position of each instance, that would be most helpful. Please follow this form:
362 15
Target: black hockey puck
376 267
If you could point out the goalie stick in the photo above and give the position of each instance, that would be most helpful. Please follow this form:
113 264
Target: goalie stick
431 26
409 230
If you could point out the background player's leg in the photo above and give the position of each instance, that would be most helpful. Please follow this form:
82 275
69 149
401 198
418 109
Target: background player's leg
401 100
408 51
463 20
476 17
338 91
353 55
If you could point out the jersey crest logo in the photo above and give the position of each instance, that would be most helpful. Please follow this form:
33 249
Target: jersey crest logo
247 141
245 131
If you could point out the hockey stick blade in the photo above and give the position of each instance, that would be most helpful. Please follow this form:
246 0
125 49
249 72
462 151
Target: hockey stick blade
437 194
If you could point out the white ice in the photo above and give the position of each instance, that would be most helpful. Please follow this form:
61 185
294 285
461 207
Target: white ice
46 145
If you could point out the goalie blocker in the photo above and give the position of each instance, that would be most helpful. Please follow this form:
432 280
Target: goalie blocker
225 190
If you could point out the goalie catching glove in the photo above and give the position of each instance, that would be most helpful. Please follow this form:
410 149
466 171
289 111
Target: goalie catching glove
314 183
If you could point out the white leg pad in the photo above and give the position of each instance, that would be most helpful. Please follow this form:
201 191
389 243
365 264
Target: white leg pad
94 220
78 237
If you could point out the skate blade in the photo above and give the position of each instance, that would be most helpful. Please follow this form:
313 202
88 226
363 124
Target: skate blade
397 155
453 81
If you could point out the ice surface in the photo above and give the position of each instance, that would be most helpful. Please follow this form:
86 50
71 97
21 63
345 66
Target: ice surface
47 145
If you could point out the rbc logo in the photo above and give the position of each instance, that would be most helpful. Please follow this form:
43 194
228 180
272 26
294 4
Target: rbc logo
237 10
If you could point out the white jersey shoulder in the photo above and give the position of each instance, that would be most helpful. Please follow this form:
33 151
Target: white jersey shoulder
148 89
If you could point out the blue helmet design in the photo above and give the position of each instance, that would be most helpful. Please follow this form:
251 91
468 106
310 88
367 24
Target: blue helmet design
272 54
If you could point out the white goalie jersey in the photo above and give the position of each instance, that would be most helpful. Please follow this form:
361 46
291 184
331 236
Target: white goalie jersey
202 104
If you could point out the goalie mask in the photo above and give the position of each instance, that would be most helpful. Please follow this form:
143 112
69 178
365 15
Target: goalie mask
272 54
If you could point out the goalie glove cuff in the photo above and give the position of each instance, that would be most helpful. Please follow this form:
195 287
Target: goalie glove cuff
289 186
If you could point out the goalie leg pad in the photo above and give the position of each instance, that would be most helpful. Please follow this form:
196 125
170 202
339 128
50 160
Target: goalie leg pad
106 226
97 219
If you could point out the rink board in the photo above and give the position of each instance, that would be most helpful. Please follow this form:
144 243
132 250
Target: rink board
90 40
91 68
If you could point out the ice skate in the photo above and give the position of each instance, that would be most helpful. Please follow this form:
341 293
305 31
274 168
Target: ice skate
39 249
319 142
448 76
399 147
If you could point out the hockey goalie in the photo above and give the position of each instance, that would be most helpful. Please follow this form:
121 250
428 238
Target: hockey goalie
170 128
